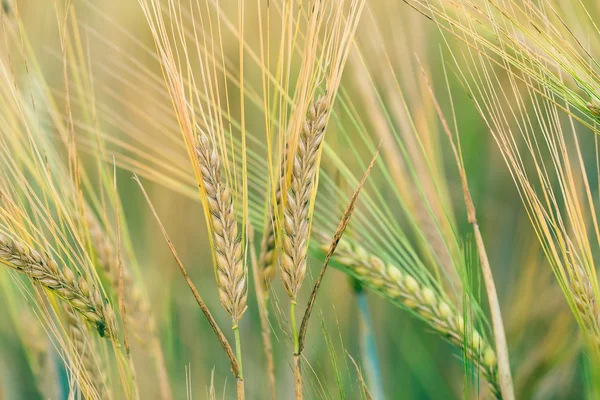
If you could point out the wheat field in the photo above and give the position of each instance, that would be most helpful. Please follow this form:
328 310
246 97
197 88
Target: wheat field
299 199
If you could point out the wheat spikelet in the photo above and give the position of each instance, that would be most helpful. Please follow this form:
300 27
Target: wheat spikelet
61 281
296 218
231 272
87 370
390 282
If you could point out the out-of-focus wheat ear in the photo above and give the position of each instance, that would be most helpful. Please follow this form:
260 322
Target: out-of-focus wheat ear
106 259
400 287
268 249
268 255
92 379
39 350
139 313
586 304
296 218
263 315
231 270
44 270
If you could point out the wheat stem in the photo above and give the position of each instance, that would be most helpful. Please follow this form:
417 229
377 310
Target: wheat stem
294 326
297 371
240 389
238 350
368 348
298 377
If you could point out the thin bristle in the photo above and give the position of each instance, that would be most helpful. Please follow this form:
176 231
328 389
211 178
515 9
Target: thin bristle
41 268
401 287
296 221
231 272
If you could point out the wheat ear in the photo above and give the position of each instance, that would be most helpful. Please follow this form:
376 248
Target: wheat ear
268 255
231 272
139 314
400 287
585 302
83 356
39 351
268 251
296 219
41 268
107 261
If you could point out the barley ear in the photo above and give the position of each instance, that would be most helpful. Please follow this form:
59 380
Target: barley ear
402 288
83 356
231 271
62 282
268 248
585 302
296 219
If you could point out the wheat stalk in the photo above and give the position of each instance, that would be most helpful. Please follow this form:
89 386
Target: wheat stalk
296 221
402 288
231 273
41 268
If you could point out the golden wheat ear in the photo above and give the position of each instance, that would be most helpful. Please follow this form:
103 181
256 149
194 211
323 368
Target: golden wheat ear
296 222
231 272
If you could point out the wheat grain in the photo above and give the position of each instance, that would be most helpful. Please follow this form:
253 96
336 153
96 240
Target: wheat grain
401 287
41 268
231 271
296 219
